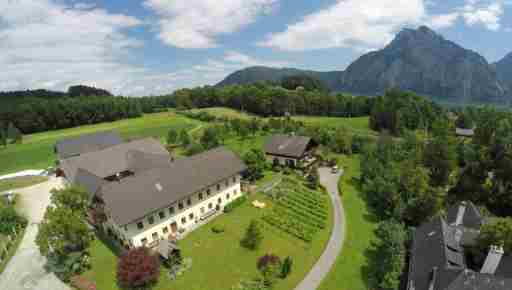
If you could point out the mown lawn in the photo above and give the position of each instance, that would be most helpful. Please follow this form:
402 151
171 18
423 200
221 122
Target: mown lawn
36 152
20 182
358 125
218 260
350 269
223 112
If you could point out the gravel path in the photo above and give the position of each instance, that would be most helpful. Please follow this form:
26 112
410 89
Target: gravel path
333 248
26 268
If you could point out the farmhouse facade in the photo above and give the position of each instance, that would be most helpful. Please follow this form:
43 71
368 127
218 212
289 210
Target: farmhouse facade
140 195
290 151
439 259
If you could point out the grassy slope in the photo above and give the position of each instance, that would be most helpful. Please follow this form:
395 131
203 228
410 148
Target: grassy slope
359 125
226 112
37 149
20 182
350 270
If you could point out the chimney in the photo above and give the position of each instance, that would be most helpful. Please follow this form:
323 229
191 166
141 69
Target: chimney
433 278
493 260
460 213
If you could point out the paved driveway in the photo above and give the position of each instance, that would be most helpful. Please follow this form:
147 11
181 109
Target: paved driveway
26 268
334 246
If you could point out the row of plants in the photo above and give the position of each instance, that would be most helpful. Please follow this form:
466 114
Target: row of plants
319 207
304 213
291 227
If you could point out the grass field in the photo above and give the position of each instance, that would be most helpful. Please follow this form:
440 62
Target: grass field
218 260
223 112
20 182
350 270
36 152
358 125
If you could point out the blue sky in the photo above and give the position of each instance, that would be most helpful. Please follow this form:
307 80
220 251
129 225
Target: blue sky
157 46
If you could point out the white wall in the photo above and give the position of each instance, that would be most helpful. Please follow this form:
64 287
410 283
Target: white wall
133 235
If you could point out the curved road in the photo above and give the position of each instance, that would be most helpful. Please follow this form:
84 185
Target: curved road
333 248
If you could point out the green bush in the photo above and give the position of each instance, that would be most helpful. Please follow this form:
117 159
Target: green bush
235 203
218 229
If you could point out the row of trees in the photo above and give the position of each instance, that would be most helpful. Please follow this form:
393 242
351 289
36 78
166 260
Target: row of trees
40 114
398 111
63 235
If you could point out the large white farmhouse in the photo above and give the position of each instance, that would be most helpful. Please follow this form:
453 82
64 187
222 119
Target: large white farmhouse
142 196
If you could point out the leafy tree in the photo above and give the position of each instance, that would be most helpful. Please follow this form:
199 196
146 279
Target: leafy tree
172 136
313 178
210 139
286 269
253 236
391 253
138 269
62 231
254 126
3 138
194 148
498 232
270 267
343 141
73 197
440 155
184 138
256 164
305 82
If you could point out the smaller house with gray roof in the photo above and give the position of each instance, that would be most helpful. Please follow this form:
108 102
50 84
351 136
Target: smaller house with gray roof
290 151
439 259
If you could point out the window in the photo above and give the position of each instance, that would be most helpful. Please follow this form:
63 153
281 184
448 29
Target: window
180 205
218 186
191 216
165 230
161 214
200 196
140 225
171 210
144 241
227 182
151 220
125 228
234 179
227 196
154 236
210 205
219 200
208 192
183 220
189 202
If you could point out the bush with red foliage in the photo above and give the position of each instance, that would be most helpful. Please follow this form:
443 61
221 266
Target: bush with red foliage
138 268
268 259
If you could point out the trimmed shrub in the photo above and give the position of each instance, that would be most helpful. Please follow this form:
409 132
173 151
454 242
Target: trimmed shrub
253 236
270 267
286 269
218 229
235 203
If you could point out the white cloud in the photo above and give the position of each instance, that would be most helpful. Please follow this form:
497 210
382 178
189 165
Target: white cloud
197 23
47 44
488 14
443 20
349 23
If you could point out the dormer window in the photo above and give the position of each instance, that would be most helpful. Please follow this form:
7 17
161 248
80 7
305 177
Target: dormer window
200 196
189 202
140 225
180 205
218 186
161 215
151 220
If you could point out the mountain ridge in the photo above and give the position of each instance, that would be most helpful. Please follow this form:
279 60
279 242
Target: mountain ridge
418 60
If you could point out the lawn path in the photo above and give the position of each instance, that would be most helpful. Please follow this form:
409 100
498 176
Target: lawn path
333 248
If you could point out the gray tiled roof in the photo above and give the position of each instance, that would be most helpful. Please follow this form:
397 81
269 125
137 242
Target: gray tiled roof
284 145
148 191
114 159
86 143
472 218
